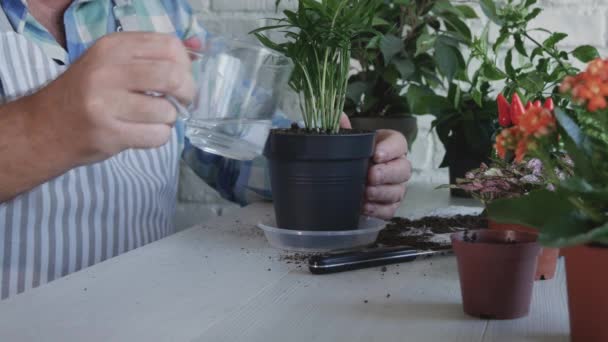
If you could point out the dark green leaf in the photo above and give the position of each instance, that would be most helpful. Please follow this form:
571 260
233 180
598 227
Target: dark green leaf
504 35
491 72
390 45
449 59
355 91
423 100
585 53
535 12
454 24
379 21
467 11
509 64
405 66
532 82
374 42
536 52
554 39
425 43
519 45
489 9
529 3
530 210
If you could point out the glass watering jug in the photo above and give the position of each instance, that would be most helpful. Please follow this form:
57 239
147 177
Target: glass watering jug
239 86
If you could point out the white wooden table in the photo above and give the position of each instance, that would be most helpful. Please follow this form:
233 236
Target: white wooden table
222 282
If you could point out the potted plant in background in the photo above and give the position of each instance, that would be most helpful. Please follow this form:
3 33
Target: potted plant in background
532 69
402 53
575 213
318 173
512 176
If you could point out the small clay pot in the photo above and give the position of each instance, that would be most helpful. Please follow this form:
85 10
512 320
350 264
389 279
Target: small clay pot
587 292
496 271
547 260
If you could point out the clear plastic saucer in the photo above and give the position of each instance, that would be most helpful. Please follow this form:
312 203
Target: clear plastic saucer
323 241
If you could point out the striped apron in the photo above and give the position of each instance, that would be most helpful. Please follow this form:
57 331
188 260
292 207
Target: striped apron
90 213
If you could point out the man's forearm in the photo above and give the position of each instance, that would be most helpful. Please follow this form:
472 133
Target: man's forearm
29 155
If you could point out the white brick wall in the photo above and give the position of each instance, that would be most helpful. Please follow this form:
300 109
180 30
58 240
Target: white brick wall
584 20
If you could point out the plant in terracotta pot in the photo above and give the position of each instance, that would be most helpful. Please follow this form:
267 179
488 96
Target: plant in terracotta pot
573 215
408 48
318 172
510 179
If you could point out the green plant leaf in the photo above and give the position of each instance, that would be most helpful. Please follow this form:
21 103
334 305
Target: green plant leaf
405 66
491 72
571 229
390 46
519 45
489 9
449 59
532 82
509 64
535 12
529 3
467 11
504 35
530 210
554 39
585 53
379 21
423 100
455 24
425 43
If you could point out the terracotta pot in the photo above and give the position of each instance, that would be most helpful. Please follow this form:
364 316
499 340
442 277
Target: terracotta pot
547 260
587 293
496 271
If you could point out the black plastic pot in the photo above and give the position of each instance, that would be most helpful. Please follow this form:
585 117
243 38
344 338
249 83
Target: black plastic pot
318 180
404 124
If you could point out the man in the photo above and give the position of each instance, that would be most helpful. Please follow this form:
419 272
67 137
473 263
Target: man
88 163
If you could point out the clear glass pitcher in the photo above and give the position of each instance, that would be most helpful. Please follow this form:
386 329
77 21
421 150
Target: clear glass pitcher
239 87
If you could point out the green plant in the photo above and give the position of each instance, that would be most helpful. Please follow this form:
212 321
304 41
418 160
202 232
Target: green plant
319 37
532 66
415 42
576 211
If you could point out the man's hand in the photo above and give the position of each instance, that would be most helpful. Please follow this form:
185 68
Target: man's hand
390 171
98 108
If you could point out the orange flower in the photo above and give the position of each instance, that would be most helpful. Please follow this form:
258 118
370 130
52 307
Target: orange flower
537 122
507 140
589 88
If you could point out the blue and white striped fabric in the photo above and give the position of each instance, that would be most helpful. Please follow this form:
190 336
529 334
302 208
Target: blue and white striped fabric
90 213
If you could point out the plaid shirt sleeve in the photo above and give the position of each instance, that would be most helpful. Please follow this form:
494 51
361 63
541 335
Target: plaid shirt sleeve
242 182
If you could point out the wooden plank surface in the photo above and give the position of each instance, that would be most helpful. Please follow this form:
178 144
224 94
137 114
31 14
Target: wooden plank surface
222 282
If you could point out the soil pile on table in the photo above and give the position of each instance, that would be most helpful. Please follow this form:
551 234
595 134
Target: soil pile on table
428 233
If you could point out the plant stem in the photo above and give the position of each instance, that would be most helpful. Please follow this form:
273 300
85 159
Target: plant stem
544 48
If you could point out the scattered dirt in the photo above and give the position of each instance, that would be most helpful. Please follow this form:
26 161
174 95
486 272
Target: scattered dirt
428 233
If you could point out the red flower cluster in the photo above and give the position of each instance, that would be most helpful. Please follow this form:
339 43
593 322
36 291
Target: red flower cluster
590 87
534 124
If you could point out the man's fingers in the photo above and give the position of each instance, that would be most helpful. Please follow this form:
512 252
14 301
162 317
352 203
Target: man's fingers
385 212
345 122
394 172
147 109
385 194
144 136
145 45
167 78
389 145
